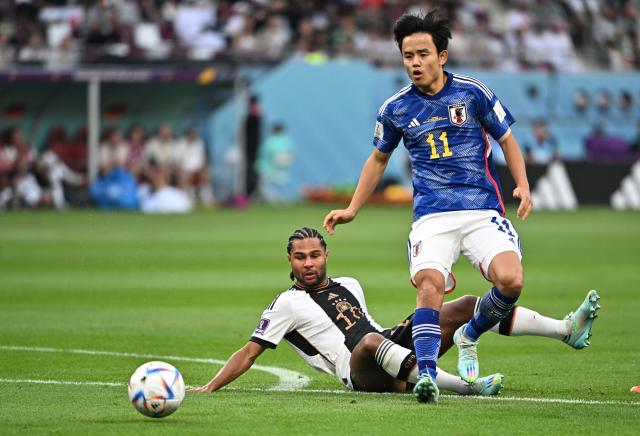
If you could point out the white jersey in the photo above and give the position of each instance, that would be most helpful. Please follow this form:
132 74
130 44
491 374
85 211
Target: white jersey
323 326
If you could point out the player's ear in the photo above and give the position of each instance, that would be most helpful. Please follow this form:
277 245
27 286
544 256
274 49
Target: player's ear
443 56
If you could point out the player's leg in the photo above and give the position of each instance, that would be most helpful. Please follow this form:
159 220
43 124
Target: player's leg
492 245
379 365
433 248
453 315
574 329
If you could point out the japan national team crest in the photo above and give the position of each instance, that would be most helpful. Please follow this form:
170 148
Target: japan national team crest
458 113
416 249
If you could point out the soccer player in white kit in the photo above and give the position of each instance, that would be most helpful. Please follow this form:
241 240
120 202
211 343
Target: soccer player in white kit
444 120
326 322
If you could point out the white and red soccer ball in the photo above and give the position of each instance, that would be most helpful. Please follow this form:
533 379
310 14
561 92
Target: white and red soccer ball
156 389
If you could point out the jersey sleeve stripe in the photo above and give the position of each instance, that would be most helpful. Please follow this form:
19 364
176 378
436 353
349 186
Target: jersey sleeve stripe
477 84
486 166
393 97
262 342
273 303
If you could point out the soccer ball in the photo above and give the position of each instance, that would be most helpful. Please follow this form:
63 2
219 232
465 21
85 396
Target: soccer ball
156 389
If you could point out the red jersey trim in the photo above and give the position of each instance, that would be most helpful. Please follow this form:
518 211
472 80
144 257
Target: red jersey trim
486 167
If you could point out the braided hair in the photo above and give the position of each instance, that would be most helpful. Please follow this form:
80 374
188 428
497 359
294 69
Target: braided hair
304 233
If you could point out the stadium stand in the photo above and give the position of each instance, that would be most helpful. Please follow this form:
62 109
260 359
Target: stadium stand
550 61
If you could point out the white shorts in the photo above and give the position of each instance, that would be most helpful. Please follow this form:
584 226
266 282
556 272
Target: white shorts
436 241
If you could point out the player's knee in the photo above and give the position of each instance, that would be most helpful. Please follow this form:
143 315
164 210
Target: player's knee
510 282
429 288
369 343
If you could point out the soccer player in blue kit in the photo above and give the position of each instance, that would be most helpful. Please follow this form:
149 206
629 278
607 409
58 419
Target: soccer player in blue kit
443 120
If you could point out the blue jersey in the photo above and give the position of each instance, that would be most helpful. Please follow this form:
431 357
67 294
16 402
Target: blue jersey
446 136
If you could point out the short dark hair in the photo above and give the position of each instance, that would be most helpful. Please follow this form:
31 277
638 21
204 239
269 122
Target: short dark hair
432 23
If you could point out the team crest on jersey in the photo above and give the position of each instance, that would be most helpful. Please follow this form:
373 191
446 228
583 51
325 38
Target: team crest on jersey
416 249
458 113
262 326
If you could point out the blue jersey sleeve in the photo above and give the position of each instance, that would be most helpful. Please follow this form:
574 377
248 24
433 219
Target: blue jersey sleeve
386 136
495 118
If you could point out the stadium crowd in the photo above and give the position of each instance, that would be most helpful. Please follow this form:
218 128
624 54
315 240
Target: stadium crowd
504 34
507 35
158 173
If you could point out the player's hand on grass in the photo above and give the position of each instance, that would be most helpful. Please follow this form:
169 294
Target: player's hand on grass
335 217
201 390
524 209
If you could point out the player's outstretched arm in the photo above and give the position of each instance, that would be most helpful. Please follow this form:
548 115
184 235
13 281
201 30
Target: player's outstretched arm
370 176
238 364
515 162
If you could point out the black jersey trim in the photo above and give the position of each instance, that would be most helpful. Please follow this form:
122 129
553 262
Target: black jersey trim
301 343
262 342
273 303
505 326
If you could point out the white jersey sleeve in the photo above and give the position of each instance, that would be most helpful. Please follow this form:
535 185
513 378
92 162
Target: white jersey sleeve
277 320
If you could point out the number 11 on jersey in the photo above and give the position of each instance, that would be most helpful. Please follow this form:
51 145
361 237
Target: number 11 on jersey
445 144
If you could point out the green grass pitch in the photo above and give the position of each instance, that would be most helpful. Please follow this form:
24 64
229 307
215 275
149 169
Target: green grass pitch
194 287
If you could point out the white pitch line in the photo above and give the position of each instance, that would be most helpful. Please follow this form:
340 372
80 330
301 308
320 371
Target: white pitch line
60 382
288 380
337 391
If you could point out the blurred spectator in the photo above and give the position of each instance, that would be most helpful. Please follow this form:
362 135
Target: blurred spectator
252 138
274 38
245 43
7 52
581 101
21 185
57 176
136 138
102 24
605 34
544 147
195 24
348 39
64 56
76 153
194 174
114 151
160 151
603 101
35 51
274 161
603 147
626 102
560 55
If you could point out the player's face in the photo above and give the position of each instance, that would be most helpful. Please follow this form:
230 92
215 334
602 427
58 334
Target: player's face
308 261
423 63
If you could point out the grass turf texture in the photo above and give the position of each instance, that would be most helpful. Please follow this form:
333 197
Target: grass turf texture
196 285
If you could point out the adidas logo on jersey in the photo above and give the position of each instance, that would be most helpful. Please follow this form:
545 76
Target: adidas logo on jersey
414 123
